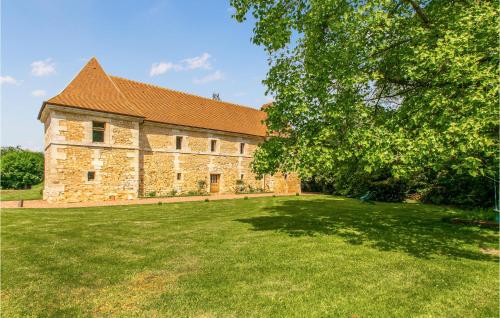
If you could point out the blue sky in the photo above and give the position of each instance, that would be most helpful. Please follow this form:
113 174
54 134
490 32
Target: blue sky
192 46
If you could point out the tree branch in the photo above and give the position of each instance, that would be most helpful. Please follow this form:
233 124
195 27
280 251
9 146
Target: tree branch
419 11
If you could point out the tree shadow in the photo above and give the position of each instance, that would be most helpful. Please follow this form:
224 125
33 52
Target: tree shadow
413 229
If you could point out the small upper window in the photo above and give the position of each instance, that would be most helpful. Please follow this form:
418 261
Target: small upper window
242 176
98 128
242 148
178 142
286 176
91 176
213 145
179 176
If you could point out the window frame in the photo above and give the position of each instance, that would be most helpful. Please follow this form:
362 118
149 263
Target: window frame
213 145
178 145
99 130
242 148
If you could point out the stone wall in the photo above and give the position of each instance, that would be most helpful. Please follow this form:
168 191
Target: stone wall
161 161
70 154
141 159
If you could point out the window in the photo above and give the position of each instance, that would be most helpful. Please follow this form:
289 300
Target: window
242 176
286 176
98 131
213 145
179 176
91 176
242 148
178 142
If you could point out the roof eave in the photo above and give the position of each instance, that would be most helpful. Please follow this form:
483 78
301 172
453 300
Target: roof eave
204 128
45 103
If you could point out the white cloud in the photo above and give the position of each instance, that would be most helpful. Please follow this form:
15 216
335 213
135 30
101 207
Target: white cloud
193 63
38 93
43 68
198 62
163 67
215 76
9 80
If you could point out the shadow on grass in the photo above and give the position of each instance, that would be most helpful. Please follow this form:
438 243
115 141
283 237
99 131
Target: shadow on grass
413 229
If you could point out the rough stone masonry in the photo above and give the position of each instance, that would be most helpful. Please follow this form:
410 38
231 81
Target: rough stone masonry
134 156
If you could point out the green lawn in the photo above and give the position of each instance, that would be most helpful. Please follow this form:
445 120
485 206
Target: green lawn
307 256
35 193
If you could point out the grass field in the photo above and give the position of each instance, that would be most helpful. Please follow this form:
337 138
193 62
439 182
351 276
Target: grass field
307 256
35 193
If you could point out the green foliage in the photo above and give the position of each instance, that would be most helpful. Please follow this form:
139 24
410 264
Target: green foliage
388 190
6 150
151 194
404 89
21 169
202 186
240 186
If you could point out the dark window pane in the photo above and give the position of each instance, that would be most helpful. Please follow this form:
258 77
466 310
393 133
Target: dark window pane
97 136
242 148
178 142
90 175
98 124
213 145
179 176
98 131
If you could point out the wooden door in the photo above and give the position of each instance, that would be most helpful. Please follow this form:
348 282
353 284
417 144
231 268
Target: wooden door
214 183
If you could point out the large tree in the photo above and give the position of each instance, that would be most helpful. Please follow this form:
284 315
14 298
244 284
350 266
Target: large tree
403 89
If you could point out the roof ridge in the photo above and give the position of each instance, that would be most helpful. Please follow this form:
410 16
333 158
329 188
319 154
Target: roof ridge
189 94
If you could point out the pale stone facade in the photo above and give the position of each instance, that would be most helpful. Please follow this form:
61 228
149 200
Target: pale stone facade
139 158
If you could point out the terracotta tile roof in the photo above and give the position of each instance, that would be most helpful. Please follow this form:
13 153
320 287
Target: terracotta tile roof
93 89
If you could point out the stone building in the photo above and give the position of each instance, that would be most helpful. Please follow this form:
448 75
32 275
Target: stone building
110 138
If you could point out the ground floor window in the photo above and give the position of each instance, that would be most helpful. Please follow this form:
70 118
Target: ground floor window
91 176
